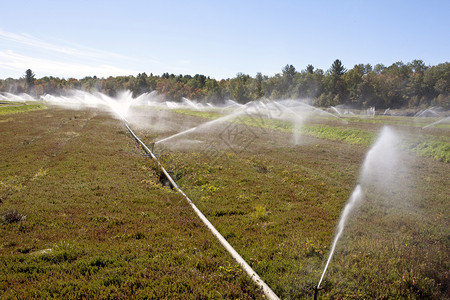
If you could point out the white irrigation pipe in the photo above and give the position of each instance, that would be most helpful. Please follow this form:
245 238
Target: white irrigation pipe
266 289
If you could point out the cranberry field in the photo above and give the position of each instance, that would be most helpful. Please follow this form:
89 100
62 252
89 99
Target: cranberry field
85 214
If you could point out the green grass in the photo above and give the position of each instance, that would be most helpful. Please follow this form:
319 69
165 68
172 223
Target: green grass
351 136
203 114
4 110
439 150
399 121
387 120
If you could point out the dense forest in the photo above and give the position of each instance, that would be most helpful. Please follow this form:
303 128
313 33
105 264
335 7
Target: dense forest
400 85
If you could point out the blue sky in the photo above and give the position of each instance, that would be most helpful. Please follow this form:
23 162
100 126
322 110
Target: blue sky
216 38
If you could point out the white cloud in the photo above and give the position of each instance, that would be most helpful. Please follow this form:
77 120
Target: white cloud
50 59
34 43
9 60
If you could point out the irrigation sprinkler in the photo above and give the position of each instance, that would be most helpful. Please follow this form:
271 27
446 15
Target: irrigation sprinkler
316 291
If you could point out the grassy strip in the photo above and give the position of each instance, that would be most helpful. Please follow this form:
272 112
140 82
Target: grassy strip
400 121
202 114
352 136
391 120
387 120
436 149
5 110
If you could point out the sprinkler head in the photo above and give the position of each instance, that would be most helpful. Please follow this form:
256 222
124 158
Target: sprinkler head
316 291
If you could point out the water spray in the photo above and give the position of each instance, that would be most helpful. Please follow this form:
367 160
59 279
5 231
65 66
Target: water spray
379 163
426 112
437 122
336 110
313 109
354 198
221 119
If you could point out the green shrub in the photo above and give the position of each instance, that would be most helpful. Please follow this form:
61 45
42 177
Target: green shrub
61 252
261 212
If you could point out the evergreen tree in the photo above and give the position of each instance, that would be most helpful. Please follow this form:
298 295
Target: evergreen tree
337 68
29 78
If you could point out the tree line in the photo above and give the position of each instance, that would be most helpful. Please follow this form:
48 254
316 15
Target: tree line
399 85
